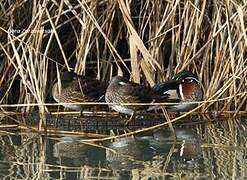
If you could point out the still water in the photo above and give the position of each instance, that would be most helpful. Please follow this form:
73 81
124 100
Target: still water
204 149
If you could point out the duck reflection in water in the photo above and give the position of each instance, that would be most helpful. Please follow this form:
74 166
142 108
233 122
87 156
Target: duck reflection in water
70 152
188 140
138 151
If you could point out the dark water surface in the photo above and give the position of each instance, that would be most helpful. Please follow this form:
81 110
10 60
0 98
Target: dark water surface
210 149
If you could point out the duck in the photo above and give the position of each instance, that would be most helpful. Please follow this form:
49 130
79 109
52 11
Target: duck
183 88
77 89
121 90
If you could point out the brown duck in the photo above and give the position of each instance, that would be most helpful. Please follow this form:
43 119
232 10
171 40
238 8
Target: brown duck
77 89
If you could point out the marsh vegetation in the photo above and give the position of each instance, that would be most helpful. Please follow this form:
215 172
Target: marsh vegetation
144 40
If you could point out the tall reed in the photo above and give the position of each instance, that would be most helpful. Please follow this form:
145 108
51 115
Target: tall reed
148 41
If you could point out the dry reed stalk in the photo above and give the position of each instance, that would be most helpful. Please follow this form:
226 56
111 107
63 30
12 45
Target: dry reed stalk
94 37
166 116
8 126
60 132
144 129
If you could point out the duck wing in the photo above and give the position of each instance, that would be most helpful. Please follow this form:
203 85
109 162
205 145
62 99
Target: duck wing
168 91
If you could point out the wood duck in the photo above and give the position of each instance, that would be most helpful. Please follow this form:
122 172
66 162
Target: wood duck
121 90
184 87
77 89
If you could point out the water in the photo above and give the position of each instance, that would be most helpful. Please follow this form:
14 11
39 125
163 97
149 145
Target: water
209 149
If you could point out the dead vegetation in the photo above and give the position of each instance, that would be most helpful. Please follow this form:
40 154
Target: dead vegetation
147 41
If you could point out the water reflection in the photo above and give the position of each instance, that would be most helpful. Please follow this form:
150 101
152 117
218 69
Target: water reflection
209 150
157 149
69 152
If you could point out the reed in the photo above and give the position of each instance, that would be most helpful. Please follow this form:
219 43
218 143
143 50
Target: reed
145 40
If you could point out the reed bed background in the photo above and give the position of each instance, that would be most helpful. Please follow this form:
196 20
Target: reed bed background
148 41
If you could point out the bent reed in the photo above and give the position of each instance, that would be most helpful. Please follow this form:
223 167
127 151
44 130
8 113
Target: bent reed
146 41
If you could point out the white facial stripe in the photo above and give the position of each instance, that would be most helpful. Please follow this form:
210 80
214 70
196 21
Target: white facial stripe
181 91
192 78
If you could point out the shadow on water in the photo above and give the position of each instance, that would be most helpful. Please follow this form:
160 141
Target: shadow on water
206 150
